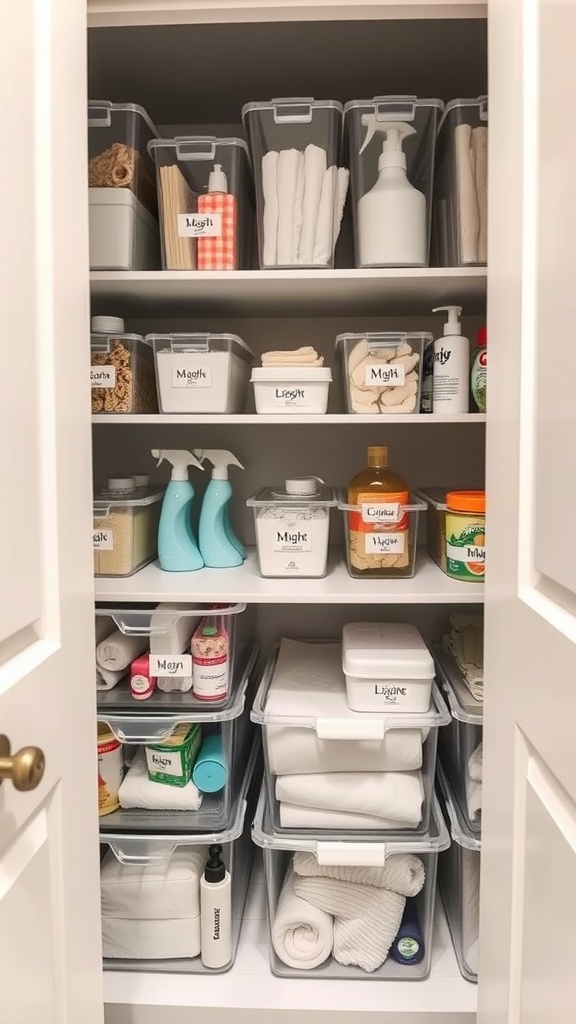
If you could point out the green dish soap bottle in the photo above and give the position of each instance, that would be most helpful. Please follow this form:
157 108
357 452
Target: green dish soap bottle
478 374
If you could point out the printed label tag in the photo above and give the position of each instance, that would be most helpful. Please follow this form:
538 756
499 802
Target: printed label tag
384 375
103 376
164 762
292 540
468 553
191 376
176 665
103 540
292 398
385 543
200 225
382 512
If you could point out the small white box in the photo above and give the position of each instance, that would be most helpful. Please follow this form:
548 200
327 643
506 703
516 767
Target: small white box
291 389
387 667
123 235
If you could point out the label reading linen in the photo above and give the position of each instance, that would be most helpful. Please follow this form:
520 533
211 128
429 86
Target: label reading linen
200 225
102 376
382 512
385 543
176 665
103 540
288 540
191 376
384 375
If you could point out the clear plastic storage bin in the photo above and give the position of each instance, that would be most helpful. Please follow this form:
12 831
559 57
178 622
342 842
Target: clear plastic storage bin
361 852
461 185
382 371
459 883
122 377
318 734
125 531
296 390
461 740
199 373
292 141
292 524
381 550
206 202
141 853
396 125
123 234
159 808
436 508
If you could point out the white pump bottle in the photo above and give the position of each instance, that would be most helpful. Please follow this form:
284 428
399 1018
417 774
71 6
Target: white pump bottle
392 215
451 366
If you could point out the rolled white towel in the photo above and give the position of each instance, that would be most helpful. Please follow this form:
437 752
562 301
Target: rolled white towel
402 872
138 791
396 795
292 816
270 217
117 652
171 939
302 935
157 890
314 171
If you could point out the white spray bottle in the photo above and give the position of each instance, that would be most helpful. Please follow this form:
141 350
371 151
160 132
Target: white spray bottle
392 215
219 545
451 366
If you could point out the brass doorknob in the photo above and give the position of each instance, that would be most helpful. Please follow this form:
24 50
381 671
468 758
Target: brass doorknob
25 768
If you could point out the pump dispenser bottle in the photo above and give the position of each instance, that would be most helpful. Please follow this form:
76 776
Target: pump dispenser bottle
216 911
392 215
177 548
217 249
451 366
219 545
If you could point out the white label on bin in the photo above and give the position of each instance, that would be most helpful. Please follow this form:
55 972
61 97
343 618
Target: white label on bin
178 666
384 375
468 553
103 540
385 543
292 398
103 376
164 762
200 225
383 512
292 540
191 376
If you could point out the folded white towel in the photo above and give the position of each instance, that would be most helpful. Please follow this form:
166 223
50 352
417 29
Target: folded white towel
304 356
172 637
314 173
466 643
480 151
298 210
396 795
292 816
299 751
475 764
467 198
402 872
138 791
157 890
302 935
473 798
342 180
270 216
289 161
172 939
324 239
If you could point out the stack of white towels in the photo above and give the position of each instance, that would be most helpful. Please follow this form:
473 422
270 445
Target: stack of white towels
303 206
138 791
350 913
168 634
474 784
152 911
472 191
354 784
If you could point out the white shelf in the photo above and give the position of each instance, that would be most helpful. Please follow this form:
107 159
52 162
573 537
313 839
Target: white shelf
429 586
250 419
259 293
249 992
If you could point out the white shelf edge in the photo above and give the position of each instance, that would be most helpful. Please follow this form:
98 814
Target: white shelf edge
250 419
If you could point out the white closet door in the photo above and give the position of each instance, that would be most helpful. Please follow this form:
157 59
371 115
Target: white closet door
527 938
49 908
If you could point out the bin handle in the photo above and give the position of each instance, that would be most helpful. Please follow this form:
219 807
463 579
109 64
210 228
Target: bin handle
358 855
123 854
395 108
483 108
100 114
299 109
202 147
134 738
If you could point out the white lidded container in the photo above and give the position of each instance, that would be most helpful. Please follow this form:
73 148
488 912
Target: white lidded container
387 667
291 389
292 528
201 373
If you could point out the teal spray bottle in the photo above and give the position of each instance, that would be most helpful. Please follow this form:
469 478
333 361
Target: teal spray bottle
219 545
177 547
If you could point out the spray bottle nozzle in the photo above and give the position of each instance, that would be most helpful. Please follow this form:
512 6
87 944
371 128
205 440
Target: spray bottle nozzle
395 132
220 459
179 460
452 325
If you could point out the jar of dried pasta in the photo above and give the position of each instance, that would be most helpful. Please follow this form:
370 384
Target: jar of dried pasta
125 527
122 374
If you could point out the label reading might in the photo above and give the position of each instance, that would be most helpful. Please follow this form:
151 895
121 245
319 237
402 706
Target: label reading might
292 540
200 225
381 512
102 376
178 666
384 375
385 543
103 540
190 376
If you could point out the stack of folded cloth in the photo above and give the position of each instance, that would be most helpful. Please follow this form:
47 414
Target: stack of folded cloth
465 642
138 791
355 784
152 911
354 914
305 356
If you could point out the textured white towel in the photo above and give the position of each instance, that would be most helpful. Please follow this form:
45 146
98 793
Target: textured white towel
289 161
324 239
475 764
157 890
138 791
298 210
292 816
114 655
314 172
396 795
467 199
270 217
402 872
172 939
466 643
172 637
474 783
295 751
480 151
302 935
342 180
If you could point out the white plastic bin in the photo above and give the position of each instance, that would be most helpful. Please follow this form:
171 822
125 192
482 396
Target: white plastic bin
461 742
291 390
382 371
123 234
308 731
292 524
461 185
459 883
201 373
387 667
349 852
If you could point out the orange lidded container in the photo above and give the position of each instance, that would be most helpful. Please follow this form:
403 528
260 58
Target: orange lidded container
465 535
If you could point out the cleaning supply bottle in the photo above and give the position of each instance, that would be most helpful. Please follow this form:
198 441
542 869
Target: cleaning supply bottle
219 545
479 371
217 247
451 366
392 223
379 542
177 548
216 911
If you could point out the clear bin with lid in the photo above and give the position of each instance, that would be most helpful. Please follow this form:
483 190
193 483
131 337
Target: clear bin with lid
199 373
309 732
204 803
125 528
122 377
461 185
118 137
382 371
206 202
459 883
388 667
381 538
461 742
292 523
283 852
295 147
371 128
134 870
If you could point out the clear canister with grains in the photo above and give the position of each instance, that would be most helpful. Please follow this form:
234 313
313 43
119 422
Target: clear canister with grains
125 527
122 375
